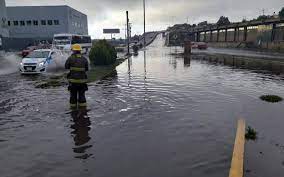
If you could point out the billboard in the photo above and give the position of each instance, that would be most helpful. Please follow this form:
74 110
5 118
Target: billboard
111 31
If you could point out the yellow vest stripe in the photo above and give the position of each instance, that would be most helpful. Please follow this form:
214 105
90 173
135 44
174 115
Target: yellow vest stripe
78 81
76 69
82 104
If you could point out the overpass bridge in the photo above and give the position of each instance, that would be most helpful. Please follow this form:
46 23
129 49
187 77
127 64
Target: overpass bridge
268 31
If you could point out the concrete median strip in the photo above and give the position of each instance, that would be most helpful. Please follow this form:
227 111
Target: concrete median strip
237 164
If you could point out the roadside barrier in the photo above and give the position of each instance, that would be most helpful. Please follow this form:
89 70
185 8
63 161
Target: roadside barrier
237 164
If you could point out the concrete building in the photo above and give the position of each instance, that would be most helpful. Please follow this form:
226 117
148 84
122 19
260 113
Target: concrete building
3 19
44 21
3 22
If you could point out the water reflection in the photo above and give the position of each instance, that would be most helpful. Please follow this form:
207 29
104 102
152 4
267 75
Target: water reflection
109 83
146 97
145 66
129 65
173 60
80 133
187 60
275 67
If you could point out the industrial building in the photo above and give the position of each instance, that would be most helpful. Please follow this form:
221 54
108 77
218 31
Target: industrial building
3 22
45 21
21 26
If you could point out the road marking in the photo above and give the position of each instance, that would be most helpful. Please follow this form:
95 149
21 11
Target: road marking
237 165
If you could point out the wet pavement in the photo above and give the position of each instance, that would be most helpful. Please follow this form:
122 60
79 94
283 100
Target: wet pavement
155 115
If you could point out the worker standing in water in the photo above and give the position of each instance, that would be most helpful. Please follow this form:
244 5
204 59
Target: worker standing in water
77 77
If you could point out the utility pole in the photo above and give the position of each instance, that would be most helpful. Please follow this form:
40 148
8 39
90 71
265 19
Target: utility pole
127 23
263 12
144 23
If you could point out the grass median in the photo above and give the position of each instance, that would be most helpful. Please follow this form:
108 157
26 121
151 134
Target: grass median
96 73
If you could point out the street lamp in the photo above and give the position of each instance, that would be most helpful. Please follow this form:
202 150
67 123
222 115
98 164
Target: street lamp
144 24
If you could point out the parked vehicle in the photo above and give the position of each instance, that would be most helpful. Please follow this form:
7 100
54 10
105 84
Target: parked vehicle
194 45
202 46
199 45
36 62
65 41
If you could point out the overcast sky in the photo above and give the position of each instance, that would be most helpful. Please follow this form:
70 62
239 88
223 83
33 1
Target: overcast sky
160 13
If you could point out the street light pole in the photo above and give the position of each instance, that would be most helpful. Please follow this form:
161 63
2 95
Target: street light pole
144 24
127 26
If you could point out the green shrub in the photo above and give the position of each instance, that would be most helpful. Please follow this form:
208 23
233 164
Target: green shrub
102 53
251 134
271 98
281 13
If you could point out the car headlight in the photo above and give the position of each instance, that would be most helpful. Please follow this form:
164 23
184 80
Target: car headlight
21 64
41 64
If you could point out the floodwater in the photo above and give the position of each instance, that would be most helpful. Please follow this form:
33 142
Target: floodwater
245 53
155 116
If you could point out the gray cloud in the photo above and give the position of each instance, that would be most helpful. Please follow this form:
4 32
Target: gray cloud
160 13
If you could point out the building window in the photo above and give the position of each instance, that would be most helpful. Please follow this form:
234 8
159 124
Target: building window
49 22
9 23
29 23
35 22
43 22
22 23
56 22
16 23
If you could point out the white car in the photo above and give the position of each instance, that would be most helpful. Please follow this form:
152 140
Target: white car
36 62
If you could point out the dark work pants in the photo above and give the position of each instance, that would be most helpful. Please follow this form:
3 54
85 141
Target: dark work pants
77 94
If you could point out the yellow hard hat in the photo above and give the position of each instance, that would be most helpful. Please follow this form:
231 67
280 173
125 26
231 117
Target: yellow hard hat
76 47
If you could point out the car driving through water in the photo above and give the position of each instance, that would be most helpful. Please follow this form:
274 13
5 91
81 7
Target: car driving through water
36 62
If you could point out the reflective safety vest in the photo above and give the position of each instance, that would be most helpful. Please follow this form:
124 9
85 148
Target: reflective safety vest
78 65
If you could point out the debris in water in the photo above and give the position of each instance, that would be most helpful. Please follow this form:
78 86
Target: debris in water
248 171
251 134
271 98
52 82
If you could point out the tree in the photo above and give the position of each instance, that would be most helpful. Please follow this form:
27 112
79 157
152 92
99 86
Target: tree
135 37
223 21
262 17
281 13
102 53
204 23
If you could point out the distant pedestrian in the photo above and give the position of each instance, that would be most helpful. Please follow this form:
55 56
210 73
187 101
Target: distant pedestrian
77 77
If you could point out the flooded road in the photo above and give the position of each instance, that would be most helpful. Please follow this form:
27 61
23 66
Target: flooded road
155 116
244 53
